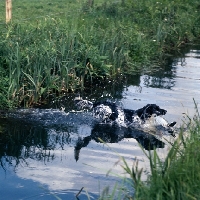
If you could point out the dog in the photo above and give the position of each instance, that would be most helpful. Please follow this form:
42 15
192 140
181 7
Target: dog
116 123
149 116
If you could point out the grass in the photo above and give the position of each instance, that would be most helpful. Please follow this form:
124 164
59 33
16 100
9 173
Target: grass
54 47
175 178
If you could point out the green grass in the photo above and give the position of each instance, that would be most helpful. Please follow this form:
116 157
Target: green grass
26 11
175 178
45 48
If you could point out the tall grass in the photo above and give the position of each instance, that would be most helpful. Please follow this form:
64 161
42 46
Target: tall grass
178 176
72 43
3 86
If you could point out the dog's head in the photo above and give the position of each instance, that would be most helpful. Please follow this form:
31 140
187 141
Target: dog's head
150 109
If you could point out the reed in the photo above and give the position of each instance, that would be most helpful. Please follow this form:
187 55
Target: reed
49 54
175 177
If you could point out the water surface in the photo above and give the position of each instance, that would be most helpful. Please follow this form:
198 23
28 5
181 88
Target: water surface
50 153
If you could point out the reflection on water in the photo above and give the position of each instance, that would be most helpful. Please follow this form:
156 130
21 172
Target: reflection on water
48 145
49 153
173 89
56 129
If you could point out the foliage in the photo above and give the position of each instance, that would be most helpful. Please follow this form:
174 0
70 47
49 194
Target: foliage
75 43
178 176
3 84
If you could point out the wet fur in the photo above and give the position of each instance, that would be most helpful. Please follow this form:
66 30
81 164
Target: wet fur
110 132
110 112
143 113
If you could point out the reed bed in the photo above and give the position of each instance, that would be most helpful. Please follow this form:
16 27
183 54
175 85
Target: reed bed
75 43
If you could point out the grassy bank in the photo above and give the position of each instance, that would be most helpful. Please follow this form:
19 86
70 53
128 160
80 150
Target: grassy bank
175 177
51 48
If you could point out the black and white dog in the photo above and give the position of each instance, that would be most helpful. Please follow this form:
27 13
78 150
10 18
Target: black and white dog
115 123
148 118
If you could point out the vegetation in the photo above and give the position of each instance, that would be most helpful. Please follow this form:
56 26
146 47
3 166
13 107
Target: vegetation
54 47
177 177
76 43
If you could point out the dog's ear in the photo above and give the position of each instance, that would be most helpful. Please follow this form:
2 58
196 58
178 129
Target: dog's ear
163 112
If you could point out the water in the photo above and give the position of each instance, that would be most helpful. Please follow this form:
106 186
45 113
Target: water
173 90
50 153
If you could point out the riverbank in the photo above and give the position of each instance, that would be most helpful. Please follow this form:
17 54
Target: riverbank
54 54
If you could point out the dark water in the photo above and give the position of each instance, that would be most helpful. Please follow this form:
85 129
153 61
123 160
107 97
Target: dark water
52 154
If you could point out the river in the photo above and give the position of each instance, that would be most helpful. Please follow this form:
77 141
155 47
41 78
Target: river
39 153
